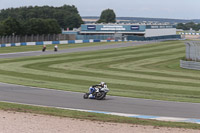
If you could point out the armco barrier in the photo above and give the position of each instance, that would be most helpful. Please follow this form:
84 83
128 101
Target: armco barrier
190 65
56 42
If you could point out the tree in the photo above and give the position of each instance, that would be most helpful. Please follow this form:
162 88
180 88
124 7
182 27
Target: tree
107 16
198 26
2 33
53 26
42 26
190 25
180 26
11 26
72 21
62 14
187 26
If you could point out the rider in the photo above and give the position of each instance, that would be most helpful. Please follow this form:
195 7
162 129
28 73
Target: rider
92 89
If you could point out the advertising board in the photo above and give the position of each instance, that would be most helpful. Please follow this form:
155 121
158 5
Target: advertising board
91 27
135 27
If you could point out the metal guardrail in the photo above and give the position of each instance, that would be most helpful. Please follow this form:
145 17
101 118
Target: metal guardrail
190 65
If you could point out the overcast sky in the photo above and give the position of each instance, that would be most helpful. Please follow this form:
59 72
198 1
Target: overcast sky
180 9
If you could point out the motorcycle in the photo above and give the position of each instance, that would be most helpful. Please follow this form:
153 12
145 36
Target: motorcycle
99 93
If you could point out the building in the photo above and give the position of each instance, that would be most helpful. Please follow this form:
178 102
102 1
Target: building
125 31
128 29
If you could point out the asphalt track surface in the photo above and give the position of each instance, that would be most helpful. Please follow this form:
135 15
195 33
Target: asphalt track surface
64 99
72 50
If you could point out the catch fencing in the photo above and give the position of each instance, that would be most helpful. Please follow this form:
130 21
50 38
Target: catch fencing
60 37
35 38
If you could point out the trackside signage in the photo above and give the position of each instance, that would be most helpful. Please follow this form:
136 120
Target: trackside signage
112 27
91 27
161 26
135 27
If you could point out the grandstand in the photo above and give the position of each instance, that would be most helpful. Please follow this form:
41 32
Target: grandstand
128 29
135 30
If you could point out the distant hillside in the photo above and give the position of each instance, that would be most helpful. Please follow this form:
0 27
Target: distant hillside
141 19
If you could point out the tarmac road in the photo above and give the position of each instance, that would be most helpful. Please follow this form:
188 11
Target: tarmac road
54 98
71 50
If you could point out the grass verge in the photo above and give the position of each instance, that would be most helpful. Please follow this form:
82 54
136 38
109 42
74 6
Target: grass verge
92 116
146 71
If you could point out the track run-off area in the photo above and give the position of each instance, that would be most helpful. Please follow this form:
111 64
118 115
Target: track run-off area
131 70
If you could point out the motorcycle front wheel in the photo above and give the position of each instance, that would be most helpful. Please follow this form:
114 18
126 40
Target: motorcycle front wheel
86 95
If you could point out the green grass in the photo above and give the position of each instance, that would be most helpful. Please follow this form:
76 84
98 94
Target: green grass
149 71
92 116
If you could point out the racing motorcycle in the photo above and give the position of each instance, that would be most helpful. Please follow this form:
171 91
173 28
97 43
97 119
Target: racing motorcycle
99 93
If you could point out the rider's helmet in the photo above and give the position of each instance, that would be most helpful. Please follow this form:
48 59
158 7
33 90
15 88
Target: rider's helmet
102 84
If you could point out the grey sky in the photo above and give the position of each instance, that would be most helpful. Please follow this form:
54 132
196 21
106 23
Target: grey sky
184 9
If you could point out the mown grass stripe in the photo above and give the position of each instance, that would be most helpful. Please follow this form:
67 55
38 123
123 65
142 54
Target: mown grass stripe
154 64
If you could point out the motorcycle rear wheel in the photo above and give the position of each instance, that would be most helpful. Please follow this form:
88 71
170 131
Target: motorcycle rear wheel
100 95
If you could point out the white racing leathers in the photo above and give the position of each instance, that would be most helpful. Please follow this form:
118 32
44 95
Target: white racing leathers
96 88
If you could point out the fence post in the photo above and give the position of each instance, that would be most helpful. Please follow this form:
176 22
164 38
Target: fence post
2 39
12 38
25 40
6 39
58 37
42 37
54 39
48 39
32 38
9 39
18 38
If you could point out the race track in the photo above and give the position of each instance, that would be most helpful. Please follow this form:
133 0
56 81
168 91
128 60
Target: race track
71 50
55 98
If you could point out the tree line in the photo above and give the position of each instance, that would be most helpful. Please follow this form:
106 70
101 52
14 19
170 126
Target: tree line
38 20
189 25
34 26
